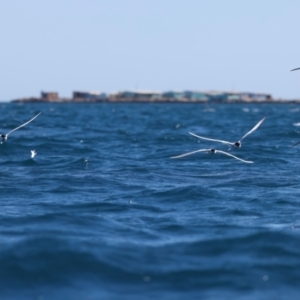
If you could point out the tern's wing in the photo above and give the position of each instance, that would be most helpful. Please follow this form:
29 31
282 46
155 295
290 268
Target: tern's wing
24 123
204 138
245 161
186 154
295 69
254 128
296 144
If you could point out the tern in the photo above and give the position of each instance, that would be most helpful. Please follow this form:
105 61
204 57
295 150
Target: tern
212 151
4 136
237 144
33 153
295 69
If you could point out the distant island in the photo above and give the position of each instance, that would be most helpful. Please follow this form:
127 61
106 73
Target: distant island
160 97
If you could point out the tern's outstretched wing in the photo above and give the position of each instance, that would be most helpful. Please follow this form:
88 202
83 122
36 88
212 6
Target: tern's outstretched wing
186 154
24 124
254 128
245 161
296 144
204 138
295 69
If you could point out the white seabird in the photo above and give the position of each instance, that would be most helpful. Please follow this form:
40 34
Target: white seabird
4 136
33 153
237 144
212 151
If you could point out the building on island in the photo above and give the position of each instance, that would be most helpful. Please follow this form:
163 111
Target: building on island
173 95
46 96
223 96
197 96
137 96
89 96
188 96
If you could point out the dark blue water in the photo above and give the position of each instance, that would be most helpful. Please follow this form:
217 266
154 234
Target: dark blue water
102 212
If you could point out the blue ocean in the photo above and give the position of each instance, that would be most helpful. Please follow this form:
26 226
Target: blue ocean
103 212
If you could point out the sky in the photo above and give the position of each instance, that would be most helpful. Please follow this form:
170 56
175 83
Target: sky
160 45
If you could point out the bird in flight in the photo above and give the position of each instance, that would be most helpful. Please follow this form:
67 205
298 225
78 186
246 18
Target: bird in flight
212 151
4 136
33 153
237 144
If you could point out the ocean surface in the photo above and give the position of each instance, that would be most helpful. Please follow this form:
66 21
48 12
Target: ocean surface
102 212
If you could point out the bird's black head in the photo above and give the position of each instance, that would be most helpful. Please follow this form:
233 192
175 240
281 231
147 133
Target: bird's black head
213 151
238 144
